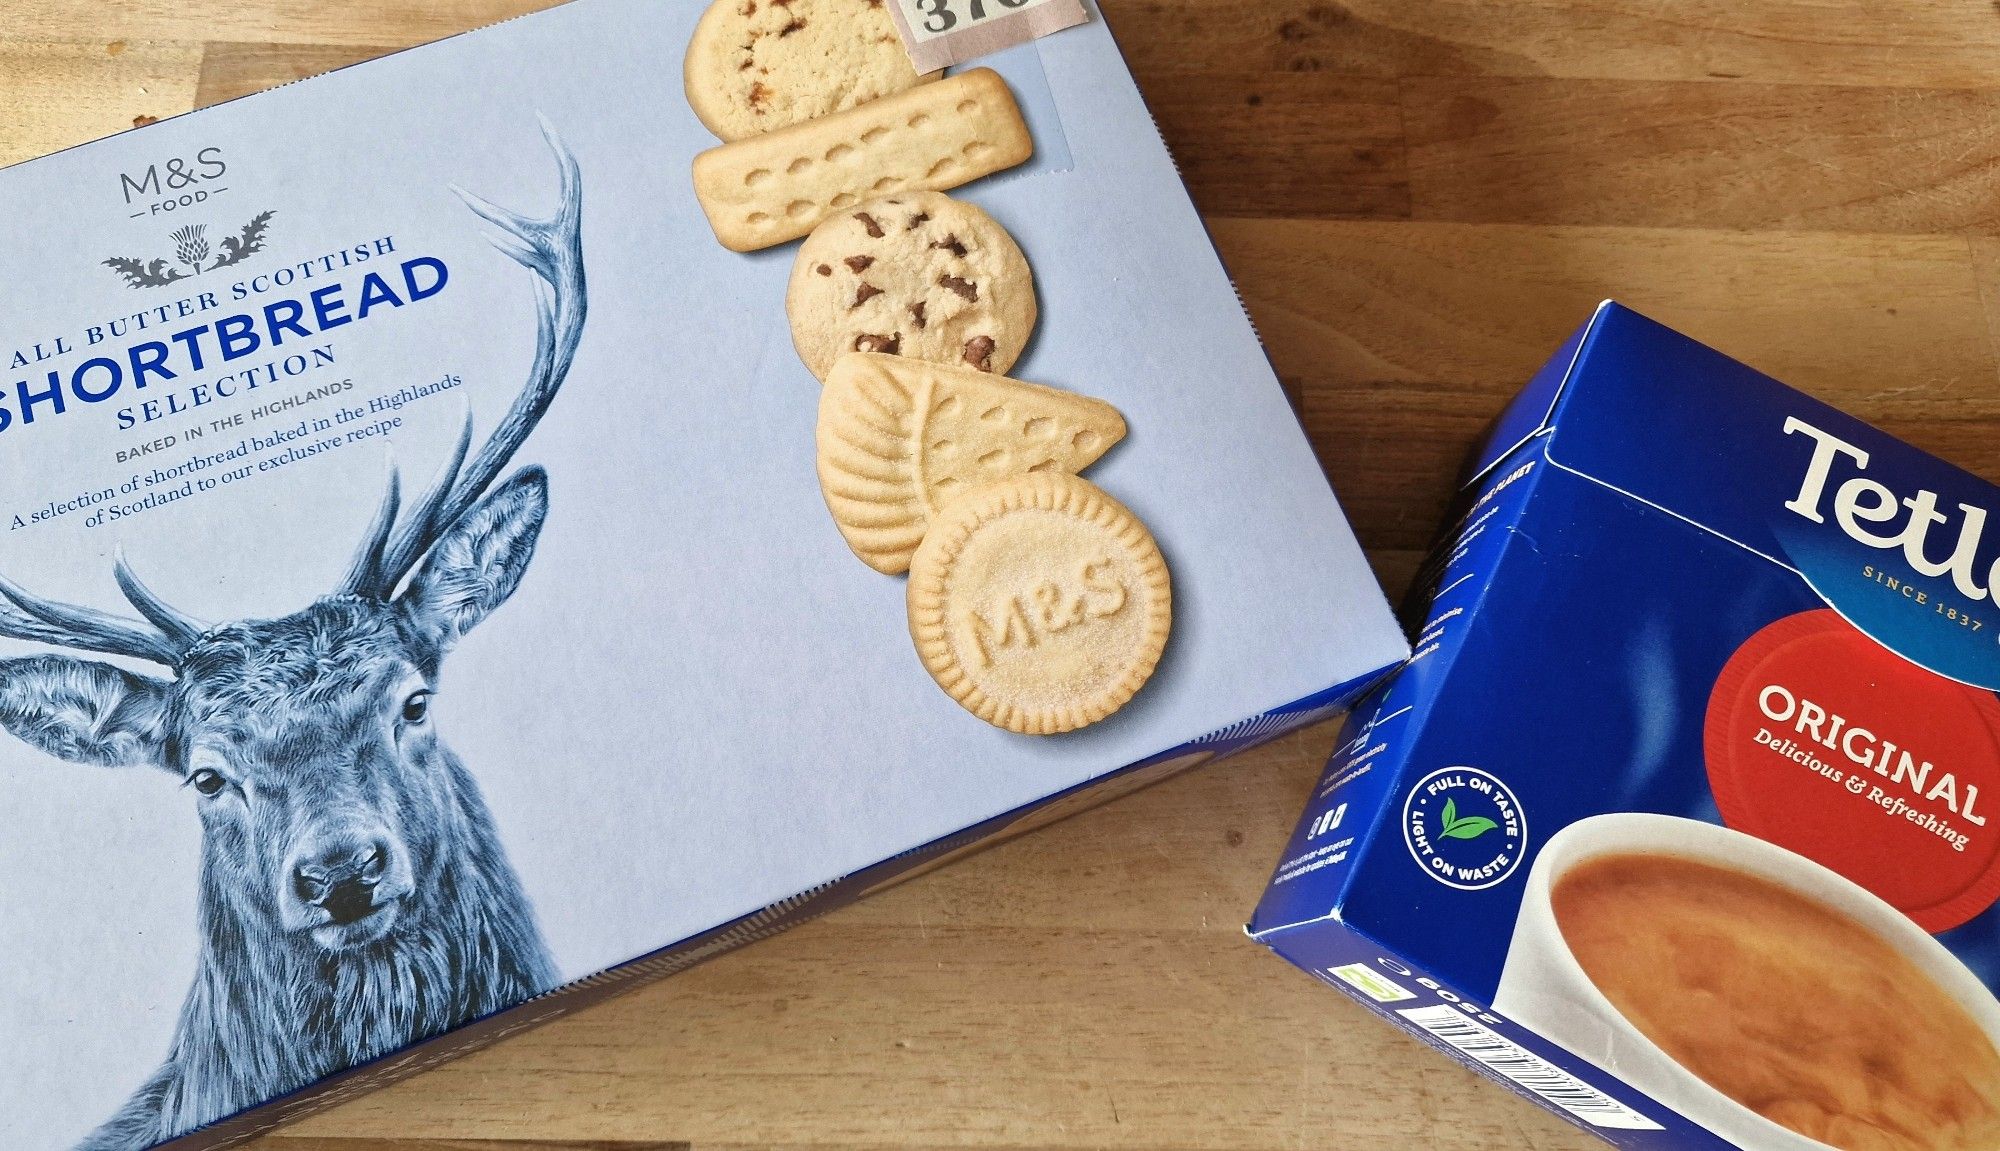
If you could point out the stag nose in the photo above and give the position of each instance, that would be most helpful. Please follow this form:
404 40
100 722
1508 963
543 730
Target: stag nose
341 878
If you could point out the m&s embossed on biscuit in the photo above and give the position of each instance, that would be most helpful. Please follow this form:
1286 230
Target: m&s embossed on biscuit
1684 819
1039 603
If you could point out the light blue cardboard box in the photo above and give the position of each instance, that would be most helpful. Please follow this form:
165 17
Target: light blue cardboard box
691 721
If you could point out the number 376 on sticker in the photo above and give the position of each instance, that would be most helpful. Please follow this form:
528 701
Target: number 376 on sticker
939 33
936 17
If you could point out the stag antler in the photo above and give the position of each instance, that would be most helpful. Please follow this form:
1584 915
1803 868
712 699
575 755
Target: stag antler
162 638
553 250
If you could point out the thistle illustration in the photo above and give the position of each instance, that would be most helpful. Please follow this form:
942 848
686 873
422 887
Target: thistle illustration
246 243
191 245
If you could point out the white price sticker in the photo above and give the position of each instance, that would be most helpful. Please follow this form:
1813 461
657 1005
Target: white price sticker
940 33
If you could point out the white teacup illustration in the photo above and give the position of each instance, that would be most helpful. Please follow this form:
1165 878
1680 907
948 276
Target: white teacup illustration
1544 984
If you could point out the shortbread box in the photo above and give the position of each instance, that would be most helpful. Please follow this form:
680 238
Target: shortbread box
439 591
1684 818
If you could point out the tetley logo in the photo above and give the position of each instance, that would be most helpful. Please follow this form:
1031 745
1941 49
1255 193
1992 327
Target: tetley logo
1868 511
1924 577
1465 828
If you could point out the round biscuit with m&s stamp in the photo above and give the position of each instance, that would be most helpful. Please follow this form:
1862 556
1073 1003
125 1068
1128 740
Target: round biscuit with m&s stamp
1039 603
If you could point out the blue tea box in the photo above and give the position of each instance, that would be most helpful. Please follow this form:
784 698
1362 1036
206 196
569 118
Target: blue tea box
421 609
1681 820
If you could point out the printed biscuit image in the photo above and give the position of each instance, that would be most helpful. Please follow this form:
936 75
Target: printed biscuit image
900 439
1039 603
917 274
778 186
756 65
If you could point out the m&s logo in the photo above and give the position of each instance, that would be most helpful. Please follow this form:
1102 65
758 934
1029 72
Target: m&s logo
174 183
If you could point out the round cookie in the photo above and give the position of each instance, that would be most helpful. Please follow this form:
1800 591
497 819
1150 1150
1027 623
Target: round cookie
755 65
915 274
1039 603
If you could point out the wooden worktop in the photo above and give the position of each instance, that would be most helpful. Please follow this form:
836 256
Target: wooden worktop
1419 199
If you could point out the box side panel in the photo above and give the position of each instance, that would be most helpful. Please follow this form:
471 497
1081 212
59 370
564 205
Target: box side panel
1346 811
1408 996
769 921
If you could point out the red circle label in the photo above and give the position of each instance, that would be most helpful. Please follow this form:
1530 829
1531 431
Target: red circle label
1822 741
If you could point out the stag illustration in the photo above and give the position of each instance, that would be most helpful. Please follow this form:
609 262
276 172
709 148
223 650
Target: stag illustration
354 895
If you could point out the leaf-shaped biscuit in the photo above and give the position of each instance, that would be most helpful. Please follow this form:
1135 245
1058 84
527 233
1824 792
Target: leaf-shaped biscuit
899 438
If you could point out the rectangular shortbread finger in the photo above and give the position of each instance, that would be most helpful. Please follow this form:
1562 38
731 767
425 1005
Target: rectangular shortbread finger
778 186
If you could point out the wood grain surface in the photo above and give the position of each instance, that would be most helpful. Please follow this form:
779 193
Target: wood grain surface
1419 199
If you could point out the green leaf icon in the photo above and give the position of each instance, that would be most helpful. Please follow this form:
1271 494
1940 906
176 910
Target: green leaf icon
1450 814
1471 827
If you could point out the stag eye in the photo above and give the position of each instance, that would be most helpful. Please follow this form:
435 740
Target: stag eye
417 708
207 782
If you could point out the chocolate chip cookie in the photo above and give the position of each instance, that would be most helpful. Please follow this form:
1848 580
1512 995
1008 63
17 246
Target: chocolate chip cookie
756 65
915 274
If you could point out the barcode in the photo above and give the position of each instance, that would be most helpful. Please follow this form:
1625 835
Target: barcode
1506 1058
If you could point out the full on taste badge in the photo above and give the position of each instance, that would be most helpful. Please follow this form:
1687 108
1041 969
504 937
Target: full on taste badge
1465 828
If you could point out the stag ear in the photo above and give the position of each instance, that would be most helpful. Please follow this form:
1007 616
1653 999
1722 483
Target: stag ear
476 565
85 712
